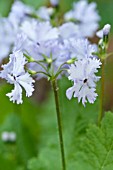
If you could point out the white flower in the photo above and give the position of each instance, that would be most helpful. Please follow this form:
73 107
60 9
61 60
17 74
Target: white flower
39 32
82 73
86 16
15 74
104 31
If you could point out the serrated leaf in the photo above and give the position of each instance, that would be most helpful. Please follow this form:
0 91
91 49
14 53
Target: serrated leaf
98 145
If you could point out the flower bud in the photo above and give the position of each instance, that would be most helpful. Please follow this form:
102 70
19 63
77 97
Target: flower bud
29 58
71 61
106 29
32 72
50 11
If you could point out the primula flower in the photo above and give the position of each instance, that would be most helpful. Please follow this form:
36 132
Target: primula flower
82 73
81 48
44 12
86 17
69 30
19 11
39 32
105 31
7 36
10 26
15 74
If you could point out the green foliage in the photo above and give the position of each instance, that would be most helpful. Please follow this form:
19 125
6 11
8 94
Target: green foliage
36 3
89 150
27 111
24 123
97 148
20 151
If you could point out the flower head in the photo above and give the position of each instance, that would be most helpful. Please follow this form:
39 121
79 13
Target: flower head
69 30
15 74
82 73
81 48
44 12
86 16
39 32
19 11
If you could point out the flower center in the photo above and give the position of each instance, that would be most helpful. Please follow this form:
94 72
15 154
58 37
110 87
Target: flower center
85 80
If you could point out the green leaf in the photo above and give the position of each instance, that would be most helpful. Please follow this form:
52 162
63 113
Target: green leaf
97 149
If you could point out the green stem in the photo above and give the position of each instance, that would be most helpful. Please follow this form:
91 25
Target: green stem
55 89
101 114
41 65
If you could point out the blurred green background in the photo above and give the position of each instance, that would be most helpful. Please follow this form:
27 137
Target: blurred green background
33 120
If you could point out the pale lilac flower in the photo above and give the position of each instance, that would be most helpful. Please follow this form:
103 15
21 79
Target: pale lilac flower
44 12
10 26
54 2
69 30
82 73
19 11
14 73
61 52
81 48
86 16
104 31
21 42
41 40
39 32
7 36
36 38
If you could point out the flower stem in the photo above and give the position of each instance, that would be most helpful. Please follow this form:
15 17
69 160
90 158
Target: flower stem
101 114
55 89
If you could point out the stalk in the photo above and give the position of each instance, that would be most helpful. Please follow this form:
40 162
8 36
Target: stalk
55 89
101 114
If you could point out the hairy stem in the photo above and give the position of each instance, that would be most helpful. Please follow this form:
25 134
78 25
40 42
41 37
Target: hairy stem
101 114
55 89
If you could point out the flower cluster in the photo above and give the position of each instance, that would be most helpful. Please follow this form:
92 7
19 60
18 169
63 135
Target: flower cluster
43 48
